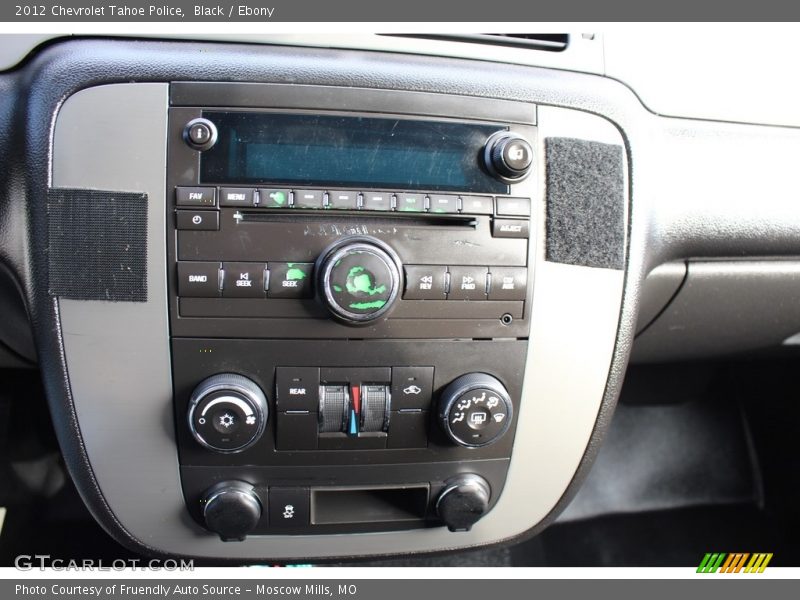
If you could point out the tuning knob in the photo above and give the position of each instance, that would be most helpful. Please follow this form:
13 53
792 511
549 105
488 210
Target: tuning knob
508 156
475 410
231 509
464 500
227 413
359 280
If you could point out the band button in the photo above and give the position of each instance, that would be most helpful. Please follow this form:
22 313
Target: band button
198 279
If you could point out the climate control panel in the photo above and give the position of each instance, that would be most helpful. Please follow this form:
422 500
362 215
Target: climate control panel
368 441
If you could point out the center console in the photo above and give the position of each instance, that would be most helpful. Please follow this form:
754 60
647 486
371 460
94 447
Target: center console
344 304
350 300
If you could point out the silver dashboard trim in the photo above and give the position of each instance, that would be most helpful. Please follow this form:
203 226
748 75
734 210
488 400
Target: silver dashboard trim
118 361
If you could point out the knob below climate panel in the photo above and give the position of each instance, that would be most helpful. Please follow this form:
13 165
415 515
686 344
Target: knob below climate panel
359 280
464 500
508 156
227 413
475 410
231 509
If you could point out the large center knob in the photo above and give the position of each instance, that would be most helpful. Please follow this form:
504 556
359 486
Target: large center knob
359 280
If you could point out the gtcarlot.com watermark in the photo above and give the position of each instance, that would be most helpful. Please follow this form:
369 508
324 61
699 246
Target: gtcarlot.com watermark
30 562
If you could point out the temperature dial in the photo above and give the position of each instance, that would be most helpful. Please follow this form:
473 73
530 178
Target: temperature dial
227 413
475 410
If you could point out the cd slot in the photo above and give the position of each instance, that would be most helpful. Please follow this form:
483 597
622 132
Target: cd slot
357 217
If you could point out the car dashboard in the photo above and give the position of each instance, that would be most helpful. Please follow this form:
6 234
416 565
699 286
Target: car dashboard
375 298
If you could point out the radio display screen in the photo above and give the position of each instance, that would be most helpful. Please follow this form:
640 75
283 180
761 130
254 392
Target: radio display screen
339 151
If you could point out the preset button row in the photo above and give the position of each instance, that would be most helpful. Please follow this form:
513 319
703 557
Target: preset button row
241 197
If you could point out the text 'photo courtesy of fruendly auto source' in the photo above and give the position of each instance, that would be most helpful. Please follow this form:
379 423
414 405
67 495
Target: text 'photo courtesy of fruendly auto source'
311 299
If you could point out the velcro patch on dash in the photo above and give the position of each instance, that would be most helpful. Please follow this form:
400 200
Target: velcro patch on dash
97 245
585 203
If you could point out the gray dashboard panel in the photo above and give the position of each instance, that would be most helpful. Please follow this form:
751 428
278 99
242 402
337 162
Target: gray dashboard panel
118 362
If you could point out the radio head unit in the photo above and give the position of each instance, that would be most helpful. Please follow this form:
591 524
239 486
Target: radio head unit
431 216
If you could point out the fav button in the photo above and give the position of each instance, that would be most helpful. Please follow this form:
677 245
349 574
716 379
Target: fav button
290 280
196 196
243 280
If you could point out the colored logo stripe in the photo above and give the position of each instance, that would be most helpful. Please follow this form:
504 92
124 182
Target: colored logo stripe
734 562
710 563
758 563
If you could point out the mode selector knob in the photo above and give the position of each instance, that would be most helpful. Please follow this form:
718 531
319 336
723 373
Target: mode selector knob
508 156
227 413
475 410
359 279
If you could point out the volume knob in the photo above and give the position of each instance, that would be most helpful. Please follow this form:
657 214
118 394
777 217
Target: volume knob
508 156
